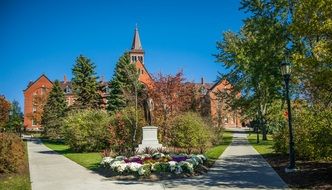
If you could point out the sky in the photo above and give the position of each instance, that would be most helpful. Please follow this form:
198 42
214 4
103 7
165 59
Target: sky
46 36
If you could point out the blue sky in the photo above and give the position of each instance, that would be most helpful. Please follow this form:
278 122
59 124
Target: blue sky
45 37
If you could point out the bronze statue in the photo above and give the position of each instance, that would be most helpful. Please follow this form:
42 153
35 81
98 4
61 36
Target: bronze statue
148 108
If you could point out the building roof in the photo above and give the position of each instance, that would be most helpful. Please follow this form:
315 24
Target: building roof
33 82
136 45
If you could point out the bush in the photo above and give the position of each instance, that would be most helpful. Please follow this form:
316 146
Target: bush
12 154
87 130
312 134
189 131
122 131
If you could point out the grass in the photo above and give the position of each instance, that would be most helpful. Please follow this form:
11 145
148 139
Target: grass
263 147
17 181
89 160
214 152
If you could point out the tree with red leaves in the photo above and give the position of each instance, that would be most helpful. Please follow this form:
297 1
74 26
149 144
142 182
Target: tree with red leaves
4 111
172 95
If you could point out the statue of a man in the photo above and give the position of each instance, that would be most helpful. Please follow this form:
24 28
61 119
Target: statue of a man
148 108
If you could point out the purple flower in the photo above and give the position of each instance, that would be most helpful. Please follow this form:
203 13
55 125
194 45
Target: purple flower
179 158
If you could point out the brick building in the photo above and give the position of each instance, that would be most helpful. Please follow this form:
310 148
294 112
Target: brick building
209 103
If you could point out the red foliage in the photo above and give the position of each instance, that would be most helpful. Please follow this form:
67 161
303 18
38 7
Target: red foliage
171 96
4 110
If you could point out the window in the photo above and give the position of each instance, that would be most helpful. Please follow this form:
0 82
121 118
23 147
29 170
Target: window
43 90
142 71
67 89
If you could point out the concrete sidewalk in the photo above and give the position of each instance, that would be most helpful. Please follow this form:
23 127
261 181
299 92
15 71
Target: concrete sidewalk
52 171
239 167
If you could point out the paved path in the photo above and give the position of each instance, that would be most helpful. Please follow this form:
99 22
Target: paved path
239 167
52 171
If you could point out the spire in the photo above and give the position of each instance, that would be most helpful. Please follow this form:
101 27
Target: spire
136 41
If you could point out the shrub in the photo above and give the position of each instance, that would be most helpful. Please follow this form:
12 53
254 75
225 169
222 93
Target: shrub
189 131
87 130
312 134
124 136
12 154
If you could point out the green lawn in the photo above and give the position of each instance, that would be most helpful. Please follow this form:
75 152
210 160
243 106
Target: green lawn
263 147
89 160
17 181
214 152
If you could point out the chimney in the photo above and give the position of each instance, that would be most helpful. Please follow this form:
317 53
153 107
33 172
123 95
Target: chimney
64 79
202 80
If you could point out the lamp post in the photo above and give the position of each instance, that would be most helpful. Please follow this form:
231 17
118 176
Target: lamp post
286 72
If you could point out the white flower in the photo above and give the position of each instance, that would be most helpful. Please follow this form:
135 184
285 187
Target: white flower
172 165
141 170
118 166
106 161
201 156
189 166
133 166
121 167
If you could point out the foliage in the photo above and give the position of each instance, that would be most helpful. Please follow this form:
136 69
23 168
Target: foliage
253 58
171 96
12 154
124 86
85 85
122 130
312 134
189 131
54 112
311 29
86 130
15 118
4 111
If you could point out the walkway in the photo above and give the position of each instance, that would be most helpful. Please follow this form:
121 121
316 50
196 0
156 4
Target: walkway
240 166
52 171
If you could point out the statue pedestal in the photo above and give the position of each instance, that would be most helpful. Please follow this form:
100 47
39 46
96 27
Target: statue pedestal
150 138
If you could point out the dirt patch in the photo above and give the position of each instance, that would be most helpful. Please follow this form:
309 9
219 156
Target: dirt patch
311 174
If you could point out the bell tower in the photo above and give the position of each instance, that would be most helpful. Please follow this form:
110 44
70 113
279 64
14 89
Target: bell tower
136 52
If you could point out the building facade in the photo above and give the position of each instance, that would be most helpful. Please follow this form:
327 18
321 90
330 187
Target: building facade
210 105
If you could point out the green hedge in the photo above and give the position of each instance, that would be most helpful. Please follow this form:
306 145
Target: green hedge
87 130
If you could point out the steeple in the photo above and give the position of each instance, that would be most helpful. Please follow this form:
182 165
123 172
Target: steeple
136 45
136 53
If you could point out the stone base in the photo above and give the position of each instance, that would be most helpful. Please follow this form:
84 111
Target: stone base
149 138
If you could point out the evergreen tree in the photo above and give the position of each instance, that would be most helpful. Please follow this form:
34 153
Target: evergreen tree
85 85
15 117
124 86
54 112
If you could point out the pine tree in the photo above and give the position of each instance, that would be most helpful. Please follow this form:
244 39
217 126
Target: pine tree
124 85
85 85
54 112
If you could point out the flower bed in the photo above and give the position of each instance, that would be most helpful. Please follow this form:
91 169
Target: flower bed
145 164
